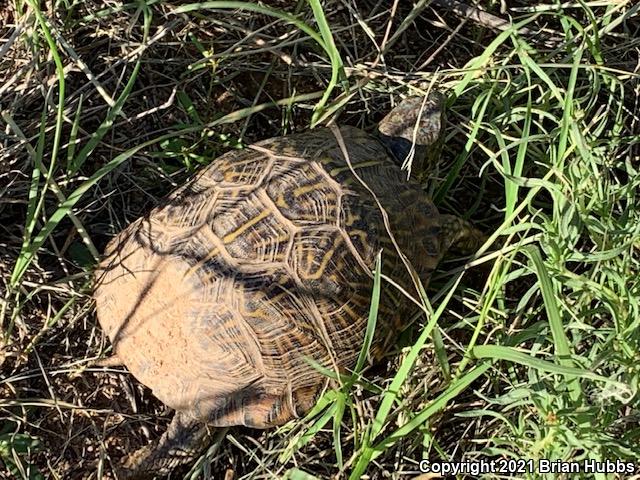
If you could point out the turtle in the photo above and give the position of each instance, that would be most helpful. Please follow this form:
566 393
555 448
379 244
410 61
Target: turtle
227 295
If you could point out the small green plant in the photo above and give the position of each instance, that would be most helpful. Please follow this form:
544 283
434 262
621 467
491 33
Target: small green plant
15 450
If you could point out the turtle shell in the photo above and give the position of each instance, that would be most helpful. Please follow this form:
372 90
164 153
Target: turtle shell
222 298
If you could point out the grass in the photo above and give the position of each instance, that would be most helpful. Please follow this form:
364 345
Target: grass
527 350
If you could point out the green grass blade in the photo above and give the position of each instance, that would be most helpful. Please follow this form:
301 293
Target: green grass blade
261 9
113 112
391 393
334 56
567 117
337 422
373 317
27 254
418 420
324 39
71 150
481 103
560 340
510 354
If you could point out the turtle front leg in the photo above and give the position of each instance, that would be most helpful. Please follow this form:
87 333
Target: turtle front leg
182 443
459 236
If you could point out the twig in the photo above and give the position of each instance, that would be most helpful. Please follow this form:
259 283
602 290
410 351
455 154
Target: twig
479 16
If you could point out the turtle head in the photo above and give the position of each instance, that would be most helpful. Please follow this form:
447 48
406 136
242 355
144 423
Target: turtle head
411 131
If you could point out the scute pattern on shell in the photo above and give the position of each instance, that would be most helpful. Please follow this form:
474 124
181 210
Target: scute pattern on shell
217 298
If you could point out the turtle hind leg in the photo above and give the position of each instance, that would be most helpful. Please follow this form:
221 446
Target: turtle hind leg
181 444
459 236
106 362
